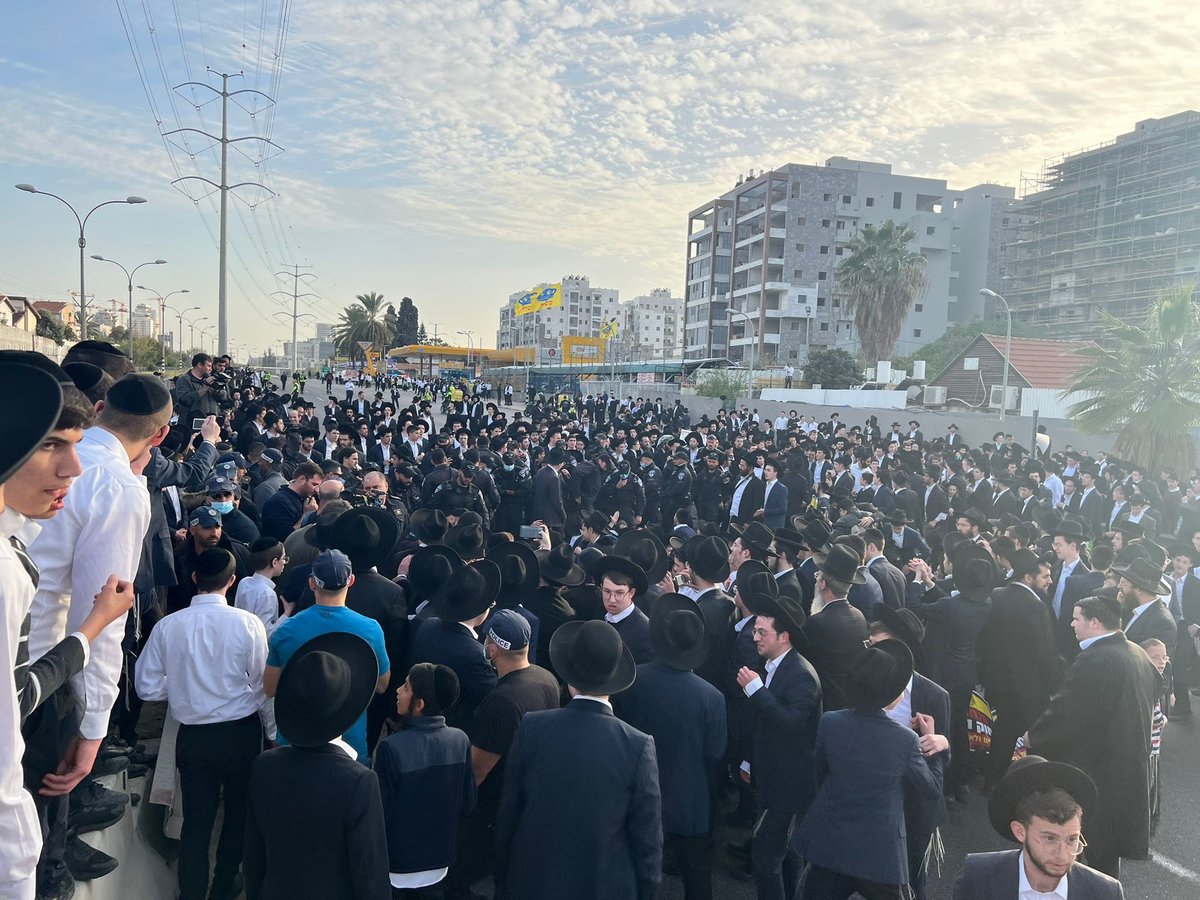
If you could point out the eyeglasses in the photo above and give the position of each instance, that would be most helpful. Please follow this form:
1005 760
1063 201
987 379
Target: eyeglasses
1075 845
616 595
762 632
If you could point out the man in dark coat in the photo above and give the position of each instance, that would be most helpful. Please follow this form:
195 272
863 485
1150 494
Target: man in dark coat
903 542
833 635
1141 591
621 581
708 567
314 823
891 580
785 708
686 717
581 812
546 495
1099 720
1018 663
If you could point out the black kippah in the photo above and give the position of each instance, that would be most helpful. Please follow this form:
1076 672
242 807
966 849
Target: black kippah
96 347
139 395
38 361
85 376
213 562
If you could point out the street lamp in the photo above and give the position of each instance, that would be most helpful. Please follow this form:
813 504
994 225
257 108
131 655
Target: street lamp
468 335
30 189
1007 346
205 332
753 342
129 273
179 313
192 330
162 316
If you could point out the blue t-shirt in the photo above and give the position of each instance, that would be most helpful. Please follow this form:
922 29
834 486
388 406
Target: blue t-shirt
295 632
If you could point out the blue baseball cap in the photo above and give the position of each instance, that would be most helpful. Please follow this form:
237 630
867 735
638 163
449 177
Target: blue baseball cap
509 630
233 457
331 570
205 517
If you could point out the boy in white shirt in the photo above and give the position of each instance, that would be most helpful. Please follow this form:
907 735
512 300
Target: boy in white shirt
257 593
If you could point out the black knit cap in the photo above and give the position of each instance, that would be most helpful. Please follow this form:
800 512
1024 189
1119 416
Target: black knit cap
84 375
139 395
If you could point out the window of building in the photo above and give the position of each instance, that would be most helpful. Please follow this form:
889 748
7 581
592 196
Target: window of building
800 247
971 364
870 201
846 198
929 229
820 276
916 332
841 225
824 248
820 301
840 250
824 326
801 220
918 307
897 200
828 197
794 326
797 273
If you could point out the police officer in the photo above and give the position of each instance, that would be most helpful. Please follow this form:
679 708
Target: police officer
712 489
623 494
652 482
513 486
677 487
459 495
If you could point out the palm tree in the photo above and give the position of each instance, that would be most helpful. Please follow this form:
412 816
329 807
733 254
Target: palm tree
878 282
367 321
1145 383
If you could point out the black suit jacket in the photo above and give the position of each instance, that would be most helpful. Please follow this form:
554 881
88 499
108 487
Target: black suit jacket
546 502
719 614
785 715
450 643
832 640
751 499
933 505
1155 621
891 581
1005 503
634 630
552 806
995 876
314 828
1018 658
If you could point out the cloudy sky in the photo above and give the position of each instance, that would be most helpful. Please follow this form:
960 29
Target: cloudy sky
458 151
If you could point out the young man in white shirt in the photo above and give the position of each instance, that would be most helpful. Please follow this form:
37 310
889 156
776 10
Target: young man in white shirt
207 662
257 594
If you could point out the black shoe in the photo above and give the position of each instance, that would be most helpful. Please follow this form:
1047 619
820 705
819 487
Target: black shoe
85 862
92 793
110 765
63 890
137 770
230 891
96 808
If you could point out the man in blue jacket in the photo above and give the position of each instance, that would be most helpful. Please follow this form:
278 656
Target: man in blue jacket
426 781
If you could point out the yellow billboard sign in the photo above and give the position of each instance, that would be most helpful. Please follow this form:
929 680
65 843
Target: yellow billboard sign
544 296
582 350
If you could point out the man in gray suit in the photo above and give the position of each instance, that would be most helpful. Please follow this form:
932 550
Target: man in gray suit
1042 806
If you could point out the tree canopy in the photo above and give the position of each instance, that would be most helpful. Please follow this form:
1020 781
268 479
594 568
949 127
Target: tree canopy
832 368
878 281
367 320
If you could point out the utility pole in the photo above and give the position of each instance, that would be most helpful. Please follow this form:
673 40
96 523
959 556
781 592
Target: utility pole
224 187
296 315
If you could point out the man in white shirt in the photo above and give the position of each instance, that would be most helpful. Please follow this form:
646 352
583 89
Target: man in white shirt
98 533
207 662
257 594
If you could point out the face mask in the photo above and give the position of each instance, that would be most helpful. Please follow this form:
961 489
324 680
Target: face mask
223 508
509 468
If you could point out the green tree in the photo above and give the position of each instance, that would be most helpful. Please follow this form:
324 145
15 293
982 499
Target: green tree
832 368
1145 383
407 317
723 383
55 330
422 334
367 320
878 281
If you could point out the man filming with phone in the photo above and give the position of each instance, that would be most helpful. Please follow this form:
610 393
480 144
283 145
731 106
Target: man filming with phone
199 392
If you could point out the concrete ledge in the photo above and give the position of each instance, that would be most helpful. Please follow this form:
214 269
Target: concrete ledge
141 872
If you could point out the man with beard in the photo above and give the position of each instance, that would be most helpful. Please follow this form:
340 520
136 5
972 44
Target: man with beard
1141 590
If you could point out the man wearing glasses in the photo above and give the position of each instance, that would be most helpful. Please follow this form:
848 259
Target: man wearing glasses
1042 806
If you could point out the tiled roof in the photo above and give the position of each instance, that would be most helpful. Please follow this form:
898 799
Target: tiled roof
50 305
1043 364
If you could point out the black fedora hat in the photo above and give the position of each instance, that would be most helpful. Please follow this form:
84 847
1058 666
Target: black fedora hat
468 540
677 632
1129 529
753 578
645 549
558 566
898 517
757 536
842 563
468 592
428 525
785 609
1144 574
34 399
520 570
429 569
1034 773
619 564
904 625
975 572
816 533
1071 528
324 687
592 658
709 559
365 534
952 541
790 539
879 675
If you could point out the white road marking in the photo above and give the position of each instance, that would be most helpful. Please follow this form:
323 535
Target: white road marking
1174 868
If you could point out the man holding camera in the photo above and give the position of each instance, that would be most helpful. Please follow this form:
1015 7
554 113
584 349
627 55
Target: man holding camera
198 393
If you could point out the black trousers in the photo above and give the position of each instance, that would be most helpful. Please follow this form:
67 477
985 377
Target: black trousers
48 732
959 772
826 884
431 892
777 867
1011 723
214 761
694 855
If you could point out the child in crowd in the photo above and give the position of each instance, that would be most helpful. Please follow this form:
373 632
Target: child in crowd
1157 651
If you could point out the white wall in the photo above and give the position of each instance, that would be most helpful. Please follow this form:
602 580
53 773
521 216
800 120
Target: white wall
1049 403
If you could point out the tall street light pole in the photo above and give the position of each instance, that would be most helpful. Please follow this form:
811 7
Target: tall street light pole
129 273
30 189
192 329
470 344
162 317
753 342
179 313
1007 346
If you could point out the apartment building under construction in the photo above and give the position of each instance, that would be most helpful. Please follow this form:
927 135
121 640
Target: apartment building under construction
1105 229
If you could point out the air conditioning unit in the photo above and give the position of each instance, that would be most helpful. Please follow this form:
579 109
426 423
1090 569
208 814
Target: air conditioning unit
934 396
996 393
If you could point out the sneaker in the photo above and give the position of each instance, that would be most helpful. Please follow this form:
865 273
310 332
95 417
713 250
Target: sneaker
64 890
110 765
94 807
85 862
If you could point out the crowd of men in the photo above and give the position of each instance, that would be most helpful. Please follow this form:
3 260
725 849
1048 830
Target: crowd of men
405 656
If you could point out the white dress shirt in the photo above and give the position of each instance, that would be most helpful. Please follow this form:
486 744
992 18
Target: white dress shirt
1087 642
735 502
256 594
20 834
207 662
621 616
772 664
1138 610
1067 569
1025 892
98 533
902 711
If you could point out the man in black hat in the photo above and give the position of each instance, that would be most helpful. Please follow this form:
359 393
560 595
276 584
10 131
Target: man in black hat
854 835
785 708
707 568
206 662
1099 720
1068 538
620 581
546 495
1142 591
341 852
1042 806
451 638
677 489
834 633
747 492
904 542
686 717
554 804
1018 661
